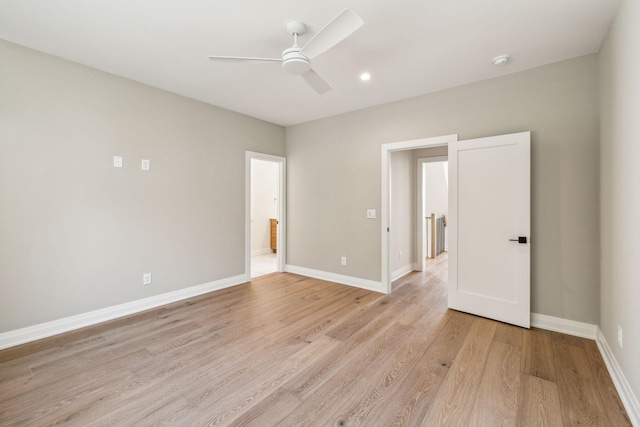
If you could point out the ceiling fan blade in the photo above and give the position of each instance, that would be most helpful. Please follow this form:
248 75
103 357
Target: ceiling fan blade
244 58
341 27
316 82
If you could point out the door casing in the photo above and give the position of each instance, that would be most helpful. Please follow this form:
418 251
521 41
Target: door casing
385 196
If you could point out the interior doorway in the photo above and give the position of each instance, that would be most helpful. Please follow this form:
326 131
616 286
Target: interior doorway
385 196
265 214
489 220
264 217
432 209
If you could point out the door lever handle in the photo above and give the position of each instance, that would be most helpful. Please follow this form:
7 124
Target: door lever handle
520 239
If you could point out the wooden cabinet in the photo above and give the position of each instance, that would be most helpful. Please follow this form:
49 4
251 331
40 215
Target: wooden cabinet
274 234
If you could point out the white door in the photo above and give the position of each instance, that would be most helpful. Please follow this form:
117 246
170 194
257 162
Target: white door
489 220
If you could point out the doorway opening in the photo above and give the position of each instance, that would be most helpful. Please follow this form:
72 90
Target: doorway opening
386 210
432 209
265 214
489 219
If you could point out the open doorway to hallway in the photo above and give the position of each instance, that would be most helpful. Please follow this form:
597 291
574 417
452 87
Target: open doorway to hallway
434 208
265 214
400 158
264 217
419 209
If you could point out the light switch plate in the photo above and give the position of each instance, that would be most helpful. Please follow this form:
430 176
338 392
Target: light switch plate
117 161
371 213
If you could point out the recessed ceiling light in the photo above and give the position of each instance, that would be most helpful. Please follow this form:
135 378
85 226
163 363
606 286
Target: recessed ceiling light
501 60
365 76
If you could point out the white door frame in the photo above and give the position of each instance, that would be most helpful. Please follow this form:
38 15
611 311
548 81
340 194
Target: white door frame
385 194
420 213
282 213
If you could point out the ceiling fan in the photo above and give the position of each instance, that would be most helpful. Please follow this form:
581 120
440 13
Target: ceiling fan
296 59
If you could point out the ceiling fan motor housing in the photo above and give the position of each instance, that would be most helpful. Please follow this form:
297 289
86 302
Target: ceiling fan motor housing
294 62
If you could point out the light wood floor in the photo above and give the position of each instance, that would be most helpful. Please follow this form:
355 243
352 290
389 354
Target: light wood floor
287 350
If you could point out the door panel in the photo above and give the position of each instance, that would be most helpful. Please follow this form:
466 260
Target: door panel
489 205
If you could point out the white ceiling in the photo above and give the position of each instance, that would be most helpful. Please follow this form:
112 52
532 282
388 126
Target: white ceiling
410 47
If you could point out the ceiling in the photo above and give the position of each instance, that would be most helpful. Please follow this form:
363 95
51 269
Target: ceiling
410 47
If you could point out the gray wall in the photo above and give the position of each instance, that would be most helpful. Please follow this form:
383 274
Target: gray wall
619 61
334 175
77 234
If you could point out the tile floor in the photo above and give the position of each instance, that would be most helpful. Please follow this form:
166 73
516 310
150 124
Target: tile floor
263 264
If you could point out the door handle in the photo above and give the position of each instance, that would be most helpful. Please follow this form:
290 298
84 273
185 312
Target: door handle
520 239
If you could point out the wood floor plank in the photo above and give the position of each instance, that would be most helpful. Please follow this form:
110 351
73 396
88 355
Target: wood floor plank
80 367
246 390
497 400
53 398
509 334
581 403
537 354
538 403
317 406
325 298
36 350
367 314
374 336
398 381
416 392
425 301
381 387
558 338
454 401
150 395
270 411
607 390
319 318
286 350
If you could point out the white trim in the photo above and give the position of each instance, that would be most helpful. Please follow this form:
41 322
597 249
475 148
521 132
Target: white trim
402 271
627 397
55 327
565 326
385 210
357 282
263 251
281 233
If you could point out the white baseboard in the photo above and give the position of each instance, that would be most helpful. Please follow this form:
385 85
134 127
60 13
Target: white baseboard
627 396
401 272
55 327
569 327
263 251
369 285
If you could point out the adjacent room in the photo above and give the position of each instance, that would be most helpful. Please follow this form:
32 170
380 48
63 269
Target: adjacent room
340 213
